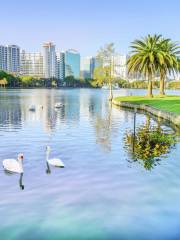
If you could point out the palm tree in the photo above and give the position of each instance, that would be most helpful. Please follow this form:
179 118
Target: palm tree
144 58
168 53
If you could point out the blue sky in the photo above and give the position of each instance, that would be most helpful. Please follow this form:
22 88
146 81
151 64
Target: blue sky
86 24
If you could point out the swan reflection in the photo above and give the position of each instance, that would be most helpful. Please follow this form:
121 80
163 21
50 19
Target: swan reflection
20 181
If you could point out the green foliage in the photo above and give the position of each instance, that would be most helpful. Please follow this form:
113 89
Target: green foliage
27 81
101 75
3 75
70 81
148 144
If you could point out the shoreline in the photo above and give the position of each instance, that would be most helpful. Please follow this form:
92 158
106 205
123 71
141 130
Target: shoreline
168 116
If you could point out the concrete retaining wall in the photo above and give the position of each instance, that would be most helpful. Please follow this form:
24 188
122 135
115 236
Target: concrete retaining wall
171 117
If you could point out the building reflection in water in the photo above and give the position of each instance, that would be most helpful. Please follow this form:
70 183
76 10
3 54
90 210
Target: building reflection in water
10 111
14 110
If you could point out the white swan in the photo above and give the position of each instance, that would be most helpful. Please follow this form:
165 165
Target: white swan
32 108
40 107
58 105
13 165
56 162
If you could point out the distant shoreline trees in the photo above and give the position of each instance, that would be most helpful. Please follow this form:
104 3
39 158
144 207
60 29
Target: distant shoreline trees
12 81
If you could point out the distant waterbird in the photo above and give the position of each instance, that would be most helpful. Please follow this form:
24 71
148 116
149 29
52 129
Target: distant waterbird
40 107
58 105
32 108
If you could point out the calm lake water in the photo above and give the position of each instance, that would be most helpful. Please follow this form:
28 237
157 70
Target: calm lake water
101 193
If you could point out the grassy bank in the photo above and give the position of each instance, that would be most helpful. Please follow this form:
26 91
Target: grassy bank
167 103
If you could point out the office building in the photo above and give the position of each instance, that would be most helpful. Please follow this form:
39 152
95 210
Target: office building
49 60
60 66
72 63
120 66
85 67
32 64
10 58
3 58
13 59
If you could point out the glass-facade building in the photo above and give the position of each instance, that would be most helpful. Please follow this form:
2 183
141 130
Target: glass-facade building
72 63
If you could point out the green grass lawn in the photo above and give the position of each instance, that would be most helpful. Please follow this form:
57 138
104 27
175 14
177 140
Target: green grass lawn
166 103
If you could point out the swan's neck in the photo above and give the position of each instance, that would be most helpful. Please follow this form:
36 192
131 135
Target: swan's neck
20 164
47 156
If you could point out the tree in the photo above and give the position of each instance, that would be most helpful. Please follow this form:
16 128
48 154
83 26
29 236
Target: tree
70 81
105 58
27 81
144 58
168 61
100 76
3 82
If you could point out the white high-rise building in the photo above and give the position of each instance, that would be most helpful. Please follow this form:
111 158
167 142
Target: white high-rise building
49 60
13 59
32 64
120 66
3 58
85 67
10 58
60 66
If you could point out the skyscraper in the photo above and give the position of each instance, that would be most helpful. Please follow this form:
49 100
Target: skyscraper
86 67
49 60
120 66
3 58
10 58
93 65
32 64
72 63
60 66
13 59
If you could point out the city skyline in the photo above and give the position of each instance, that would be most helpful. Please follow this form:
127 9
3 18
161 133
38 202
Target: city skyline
86 26
50 62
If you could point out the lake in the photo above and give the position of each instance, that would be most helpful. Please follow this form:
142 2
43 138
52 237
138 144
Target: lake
102 193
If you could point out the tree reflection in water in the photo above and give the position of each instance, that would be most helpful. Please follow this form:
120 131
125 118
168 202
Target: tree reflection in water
149 143
104 129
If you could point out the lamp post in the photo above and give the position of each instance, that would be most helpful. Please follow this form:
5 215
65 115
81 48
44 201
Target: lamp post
134 132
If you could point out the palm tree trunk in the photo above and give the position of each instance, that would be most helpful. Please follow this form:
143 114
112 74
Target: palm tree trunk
162 84
150 94
110 92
